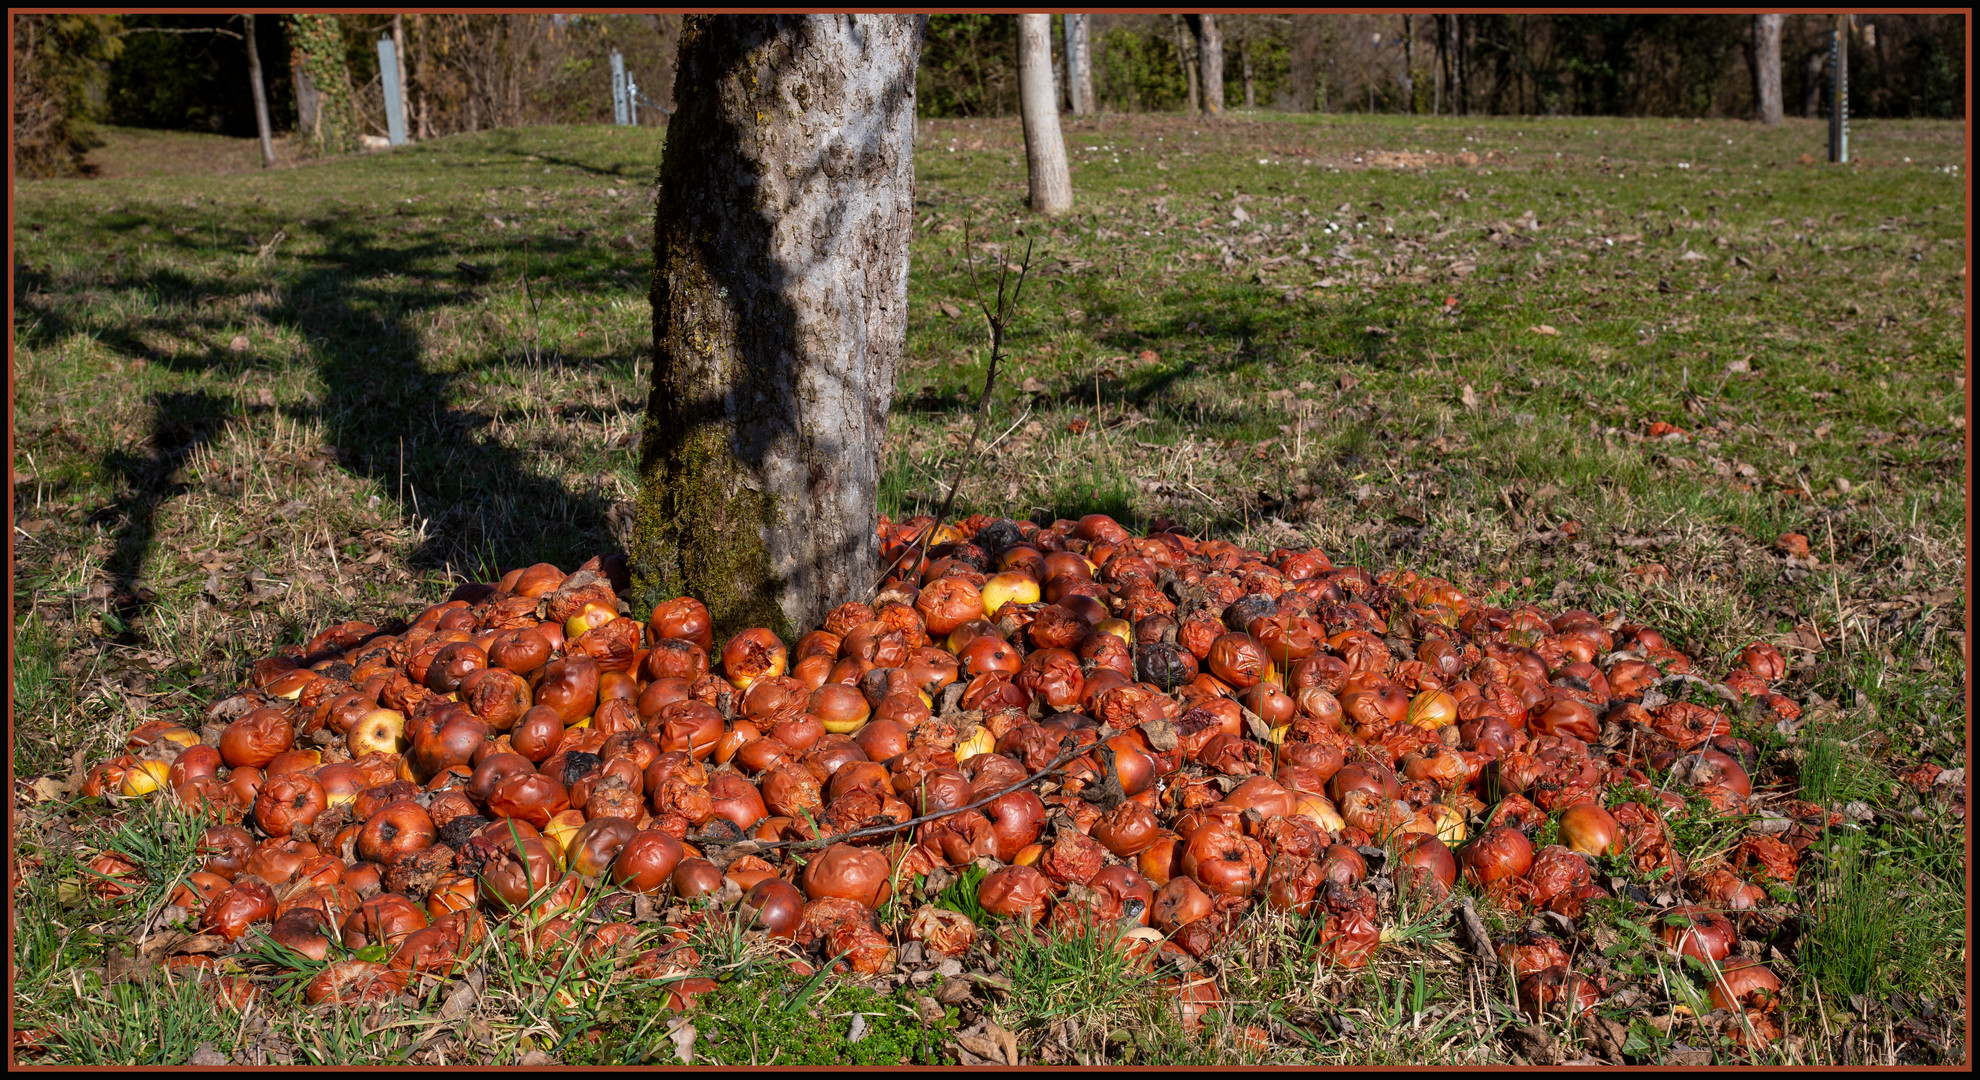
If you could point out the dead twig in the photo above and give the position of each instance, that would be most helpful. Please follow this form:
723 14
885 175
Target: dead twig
998 319
536 320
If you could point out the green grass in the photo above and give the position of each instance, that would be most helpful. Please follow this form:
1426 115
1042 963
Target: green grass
746 1021
1071 976
225 441
1883 911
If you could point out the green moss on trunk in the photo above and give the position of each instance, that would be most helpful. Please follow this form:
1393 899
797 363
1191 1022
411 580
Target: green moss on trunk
699 531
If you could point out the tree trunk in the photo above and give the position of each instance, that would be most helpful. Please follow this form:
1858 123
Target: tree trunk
1070 49
1811 94
419 73
1038 103
1250 80
1210 60
1303 66
1438 71
779 314
260 97
1408 80
1188 64
328 122
1767 67
1083 44
1462 91
399 61
308 105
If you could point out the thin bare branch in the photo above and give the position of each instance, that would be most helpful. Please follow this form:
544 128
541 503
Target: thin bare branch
184 30
998 320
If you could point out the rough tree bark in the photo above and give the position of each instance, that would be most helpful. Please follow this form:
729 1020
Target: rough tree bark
1038 102
780 244
260 97
1767 67
1210 59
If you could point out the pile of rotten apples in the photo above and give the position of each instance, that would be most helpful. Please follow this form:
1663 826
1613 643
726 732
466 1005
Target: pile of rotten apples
1151 734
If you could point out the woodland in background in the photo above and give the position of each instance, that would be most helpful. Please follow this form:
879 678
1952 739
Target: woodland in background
472 72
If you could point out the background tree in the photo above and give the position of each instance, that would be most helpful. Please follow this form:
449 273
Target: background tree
1767 67
399 62
263 130
1210 61
780 249
1083 48
968 66
326 120
1044 147
1070 53
56 60
1186 57
1407 80
467 73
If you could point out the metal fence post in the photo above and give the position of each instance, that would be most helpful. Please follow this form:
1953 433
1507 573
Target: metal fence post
620 100
1839 103
395 112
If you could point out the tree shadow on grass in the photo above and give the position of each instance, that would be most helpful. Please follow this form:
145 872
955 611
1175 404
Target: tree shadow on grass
182 422
384 408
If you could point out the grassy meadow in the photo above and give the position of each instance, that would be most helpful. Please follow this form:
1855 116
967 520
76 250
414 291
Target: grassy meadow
249 404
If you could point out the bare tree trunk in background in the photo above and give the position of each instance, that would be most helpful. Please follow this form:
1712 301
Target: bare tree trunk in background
419 71
1244 65
1811 94
1439 71
1069 52
779 314
260 97
1188 63
518 63
1304 63
1767 67
1463 69
668 28
1408 79
399 60
1038 104
1083 44
1210 61
309 103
